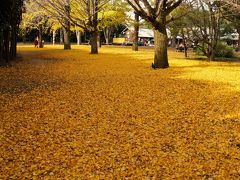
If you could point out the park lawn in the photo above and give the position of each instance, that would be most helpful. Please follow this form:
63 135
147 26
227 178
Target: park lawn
73 115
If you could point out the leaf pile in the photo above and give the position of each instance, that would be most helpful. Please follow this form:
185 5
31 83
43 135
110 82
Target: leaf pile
69 114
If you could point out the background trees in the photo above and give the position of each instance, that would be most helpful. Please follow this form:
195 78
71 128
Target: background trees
179 27
111 16
58 10
231 12
202 25
10 17
36 17
94 16
85 15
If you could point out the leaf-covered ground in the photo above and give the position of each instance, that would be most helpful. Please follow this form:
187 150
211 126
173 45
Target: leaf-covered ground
72 115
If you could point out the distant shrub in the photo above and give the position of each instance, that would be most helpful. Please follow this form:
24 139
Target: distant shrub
199 51
224 50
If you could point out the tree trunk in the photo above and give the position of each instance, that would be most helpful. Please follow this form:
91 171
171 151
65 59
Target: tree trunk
136 29
40 41
13 47
173 42
67 26
94 32
160 48
78 35
106 34
211 57
6 36
85 37
1 46
94 42
107 40
61 35
4 46
66 34
184 42
54 37
13 34
210 53
99 40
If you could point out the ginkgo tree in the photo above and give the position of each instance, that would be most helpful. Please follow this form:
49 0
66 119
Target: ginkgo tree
78 32
59 10
158 14
113 14
85 14
231 12
36 17
55 25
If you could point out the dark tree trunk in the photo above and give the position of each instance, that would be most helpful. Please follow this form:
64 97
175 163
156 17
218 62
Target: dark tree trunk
67 44
94 42
13 32
213 32
13 47
85 37
94 32
160 48
2 58
40 40
212 54
99 40
136 29
66 28
11 12
185 50
6 52
184 42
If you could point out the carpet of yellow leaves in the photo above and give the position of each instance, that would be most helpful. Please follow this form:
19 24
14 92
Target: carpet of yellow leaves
72 115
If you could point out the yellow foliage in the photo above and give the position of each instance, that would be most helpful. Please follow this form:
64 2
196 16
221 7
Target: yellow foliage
73 115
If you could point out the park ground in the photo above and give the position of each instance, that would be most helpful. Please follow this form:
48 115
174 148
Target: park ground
73 115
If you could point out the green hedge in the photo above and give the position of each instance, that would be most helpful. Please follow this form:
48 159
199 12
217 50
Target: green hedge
224 50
